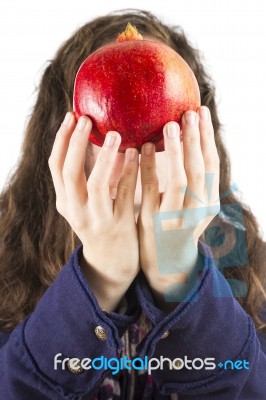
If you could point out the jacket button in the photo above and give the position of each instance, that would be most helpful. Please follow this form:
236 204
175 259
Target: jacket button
165 334
74 365
177 364
101 332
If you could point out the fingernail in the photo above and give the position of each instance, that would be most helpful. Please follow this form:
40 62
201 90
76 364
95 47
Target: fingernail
131 154
204 113
171 130
110 139
81 123
190 118
148 149
67 119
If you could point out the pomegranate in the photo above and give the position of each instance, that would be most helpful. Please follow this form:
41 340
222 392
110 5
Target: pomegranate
134 86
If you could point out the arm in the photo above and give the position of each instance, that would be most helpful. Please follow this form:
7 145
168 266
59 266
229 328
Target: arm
75 318
192 301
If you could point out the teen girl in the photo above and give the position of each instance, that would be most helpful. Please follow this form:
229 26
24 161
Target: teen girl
80 270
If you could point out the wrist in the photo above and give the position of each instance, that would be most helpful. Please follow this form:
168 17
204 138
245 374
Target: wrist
170 289
108 290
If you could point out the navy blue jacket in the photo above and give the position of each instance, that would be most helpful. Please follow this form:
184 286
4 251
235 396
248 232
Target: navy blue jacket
203 326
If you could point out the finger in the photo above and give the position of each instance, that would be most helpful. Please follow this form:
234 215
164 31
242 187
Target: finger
173 198
59 151
124 203
73 170
193 160
210 154
149 180
98 182
116 174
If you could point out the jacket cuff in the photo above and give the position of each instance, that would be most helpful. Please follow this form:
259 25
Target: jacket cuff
68 321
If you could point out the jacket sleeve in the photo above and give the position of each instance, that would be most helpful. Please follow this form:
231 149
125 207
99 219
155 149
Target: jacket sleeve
209 323
69 323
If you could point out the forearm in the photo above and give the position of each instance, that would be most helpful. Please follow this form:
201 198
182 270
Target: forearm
66 323
209 324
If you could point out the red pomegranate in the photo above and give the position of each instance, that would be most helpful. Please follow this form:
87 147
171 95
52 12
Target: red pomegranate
134 86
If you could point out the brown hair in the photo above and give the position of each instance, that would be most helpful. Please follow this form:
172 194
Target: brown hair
36 240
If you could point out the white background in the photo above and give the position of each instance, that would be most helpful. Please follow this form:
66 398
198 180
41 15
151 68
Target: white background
230 33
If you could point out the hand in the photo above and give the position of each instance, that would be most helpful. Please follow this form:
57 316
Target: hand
171 223
106 227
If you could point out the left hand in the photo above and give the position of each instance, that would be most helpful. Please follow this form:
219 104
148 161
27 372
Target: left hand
169 247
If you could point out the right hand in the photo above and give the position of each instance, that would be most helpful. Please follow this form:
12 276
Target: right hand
106 227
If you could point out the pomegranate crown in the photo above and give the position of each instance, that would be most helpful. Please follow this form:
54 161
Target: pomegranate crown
130 33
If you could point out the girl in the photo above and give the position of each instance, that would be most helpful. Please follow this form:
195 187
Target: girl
88 244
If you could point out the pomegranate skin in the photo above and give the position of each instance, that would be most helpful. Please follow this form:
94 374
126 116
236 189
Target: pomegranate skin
135 88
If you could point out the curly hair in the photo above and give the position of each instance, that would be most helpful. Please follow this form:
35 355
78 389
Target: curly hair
36 241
